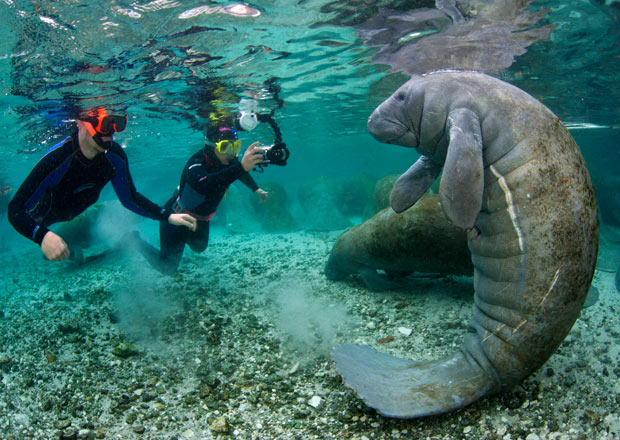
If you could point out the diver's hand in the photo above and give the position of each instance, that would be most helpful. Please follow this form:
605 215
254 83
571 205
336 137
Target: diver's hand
264 195
54 247
183 220
251 157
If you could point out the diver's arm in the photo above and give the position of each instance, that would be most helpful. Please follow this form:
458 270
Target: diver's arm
264 195
249 181
54 247
136 202
19 217
126 190
204 181
45 174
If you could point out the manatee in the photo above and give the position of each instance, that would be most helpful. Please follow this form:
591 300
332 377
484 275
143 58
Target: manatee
319 197
514 178
592 297
273 213
383 188
236 211
418 240
470 34
355 197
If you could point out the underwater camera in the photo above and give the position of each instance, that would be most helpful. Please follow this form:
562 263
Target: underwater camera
276 154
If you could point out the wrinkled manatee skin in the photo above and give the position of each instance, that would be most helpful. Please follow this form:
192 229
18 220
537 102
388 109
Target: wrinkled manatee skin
418 240
534 253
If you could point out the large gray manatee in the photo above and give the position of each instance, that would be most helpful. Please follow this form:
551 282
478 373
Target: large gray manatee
514 178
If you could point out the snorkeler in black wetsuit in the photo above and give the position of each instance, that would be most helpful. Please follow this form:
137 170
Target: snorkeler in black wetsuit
204 181
69 179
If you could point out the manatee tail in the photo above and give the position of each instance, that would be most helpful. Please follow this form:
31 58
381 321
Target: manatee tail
401 388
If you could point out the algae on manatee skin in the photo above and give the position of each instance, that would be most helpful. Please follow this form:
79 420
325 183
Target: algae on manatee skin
125 350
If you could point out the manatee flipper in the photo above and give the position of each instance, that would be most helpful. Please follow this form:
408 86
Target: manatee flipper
462 182
375 282
592 298
401 388
396 274
413 183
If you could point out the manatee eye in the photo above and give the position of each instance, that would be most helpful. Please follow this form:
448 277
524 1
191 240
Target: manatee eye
400 96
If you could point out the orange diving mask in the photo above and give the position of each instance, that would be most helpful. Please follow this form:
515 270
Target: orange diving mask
104 124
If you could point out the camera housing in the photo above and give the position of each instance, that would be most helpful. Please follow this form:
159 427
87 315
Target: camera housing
276 154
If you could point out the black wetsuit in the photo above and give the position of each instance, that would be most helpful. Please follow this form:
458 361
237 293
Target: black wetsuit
64 183
203 184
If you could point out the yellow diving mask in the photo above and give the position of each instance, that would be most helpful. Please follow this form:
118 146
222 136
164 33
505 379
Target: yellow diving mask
227 146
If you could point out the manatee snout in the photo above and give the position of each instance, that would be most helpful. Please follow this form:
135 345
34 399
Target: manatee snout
385 126
332 270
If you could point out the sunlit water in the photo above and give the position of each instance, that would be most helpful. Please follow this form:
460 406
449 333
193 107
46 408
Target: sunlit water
168 63
171 64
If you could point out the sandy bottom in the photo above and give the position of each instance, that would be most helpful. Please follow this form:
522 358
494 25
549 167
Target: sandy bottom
237 346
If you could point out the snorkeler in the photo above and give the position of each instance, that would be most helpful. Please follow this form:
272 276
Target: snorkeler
204 181
69 178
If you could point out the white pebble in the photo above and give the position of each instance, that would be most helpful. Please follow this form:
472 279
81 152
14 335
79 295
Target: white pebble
532 437
404 330
371 325
294 368
315 401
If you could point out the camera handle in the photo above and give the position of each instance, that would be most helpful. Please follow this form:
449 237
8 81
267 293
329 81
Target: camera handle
262 117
